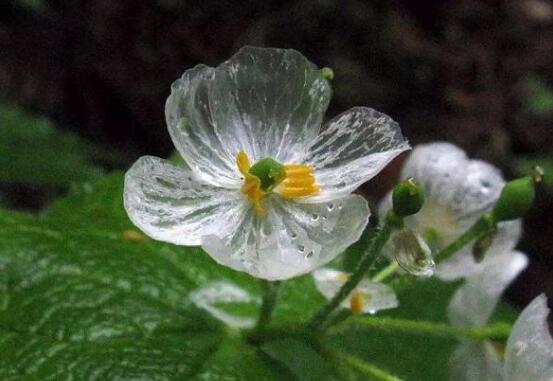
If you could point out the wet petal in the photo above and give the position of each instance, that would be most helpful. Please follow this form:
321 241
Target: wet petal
368 297
474 302
193 130
529 351
292 239
269 103
476 362
351 149
169 204
465 188
227 302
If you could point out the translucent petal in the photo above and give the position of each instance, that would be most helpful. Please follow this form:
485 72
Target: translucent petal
529 351
351 149
411 252
226 302
194 133
474 302
465 188
476 362
269 103
169 204
292 239
376 296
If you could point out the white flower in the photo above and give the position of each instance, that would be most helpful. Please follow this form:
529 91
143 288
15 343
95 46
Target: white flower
529 351
458 191
368 297
473 305
268 188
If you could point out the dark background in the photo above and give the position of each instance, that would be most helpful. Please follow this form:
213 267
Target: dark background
475 73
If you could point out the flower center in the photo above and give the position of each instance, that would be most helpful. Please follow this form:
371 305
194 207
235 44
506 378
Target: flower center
268 175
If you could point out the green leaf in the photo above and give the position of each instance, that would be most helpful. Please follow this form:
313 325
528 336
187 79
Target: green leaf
84 295
32 151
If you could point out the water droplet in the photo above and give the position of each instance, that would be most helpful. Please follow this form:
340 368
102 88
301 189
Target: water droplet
301 248
310 254
314 217
293 235
412 253
330 207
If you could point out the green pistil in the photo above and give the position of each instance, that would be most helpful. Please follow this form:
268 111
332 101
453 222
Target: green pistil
270 172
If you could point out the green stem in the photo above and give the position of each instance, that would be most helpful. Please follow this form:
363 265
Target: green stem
386 272
480 227
269 292
375 372
495 331
320 318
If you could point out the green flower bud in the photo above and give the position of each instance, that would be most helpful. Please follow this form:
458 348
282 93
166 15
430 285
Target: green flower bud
516 198
327 73
407 198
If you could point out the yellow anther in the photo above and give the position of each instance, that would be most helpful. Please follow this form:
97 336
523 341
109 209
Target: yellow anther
299 181
356 303
243 163
342 277
252 184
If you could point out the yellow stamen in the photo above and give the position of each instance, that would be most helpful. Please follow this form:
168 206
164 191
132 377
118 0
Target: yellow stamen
342 277
356 303
252 184
299 181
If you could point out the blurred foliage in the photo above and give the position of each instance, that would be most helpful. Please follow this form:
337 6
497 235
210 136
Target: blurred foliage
32 151
84 295
525 164
540 96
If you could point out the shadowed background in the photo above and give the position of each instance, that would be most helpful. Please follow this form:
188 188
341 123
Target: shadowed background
476 73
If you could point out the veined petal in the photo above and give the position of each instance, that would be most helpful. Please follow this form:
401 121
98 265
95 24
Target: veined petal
529 351
168 203
351 149
269 103
194 132
292 239
476 362
474 302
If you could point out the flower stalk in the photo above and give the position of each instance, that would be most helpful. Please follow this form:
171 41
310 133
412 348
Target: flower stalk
269 292
495 331
391 223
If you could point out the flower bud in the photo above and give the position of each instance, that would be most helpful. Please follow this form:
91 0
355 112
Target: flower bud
516 198
412 253
327 73
407 198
